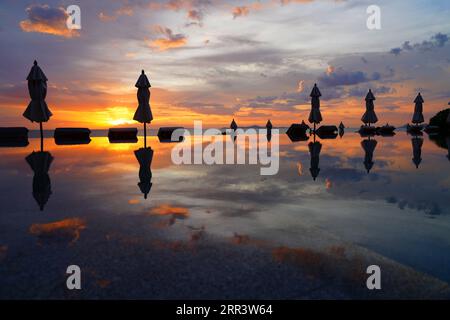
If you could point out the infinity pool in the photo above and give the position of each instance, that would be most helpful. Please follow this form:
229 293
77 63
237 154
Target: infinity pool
225 231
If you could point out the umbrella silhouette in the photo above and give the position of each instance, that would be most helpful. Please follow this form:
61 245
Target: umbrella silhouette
341 129
314 150
145 157
315 116
40 164
233 125
418 110
417 143
37 110
143 112
370 116
269 130
369 148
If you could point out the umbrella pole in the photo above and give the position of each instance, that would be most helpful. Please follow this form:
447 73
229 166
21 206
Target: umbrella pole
42 136
314 137
145 135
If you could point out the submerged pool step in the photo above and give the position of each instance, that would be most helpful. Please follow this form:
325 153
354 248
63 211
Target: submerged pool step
72 136
122 135
13 137
165 134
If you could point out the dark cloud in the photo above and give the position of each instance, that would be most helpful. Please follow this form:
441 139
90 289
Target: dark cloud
259 55
239 40
360 91
196 15
45 19
346 78
390 108
396 51
436 41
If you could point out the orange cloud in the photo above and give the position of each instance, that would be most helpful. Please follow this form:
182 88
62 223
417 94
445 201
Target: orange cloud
240 11
330 70
166 209
67 229
168 41
328 183
44 19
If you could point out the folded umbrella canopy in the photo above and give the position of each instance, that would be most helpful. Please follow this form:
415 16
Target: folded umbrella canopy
145 157
37 110
143 112
269 130
315 116
40 164
370 116
314 150
418 110
369 148
341 129
233 125
417 143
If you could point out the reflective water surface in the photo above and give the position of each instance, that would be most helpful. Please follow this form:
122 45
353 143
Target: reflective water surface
225 231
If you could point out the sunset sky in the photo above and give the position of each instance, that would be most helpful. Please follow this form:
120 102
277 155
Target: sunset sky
214 60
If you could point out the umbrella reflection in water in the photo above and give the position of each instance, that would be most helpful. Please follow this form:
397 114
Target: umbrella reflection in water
417 143
369 146
40 164
145 157
314 149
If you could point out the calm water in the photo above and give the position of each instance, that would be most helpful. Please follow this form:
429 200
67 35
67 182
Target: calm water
226 231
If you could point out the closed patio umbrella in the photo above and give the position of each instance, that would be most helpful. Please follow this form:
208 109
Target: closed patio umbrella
269 130
417 143
314 150
341 129
369 116
315 116
37 110
145 157
143 112
233 125
40 164
418 110
369 146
